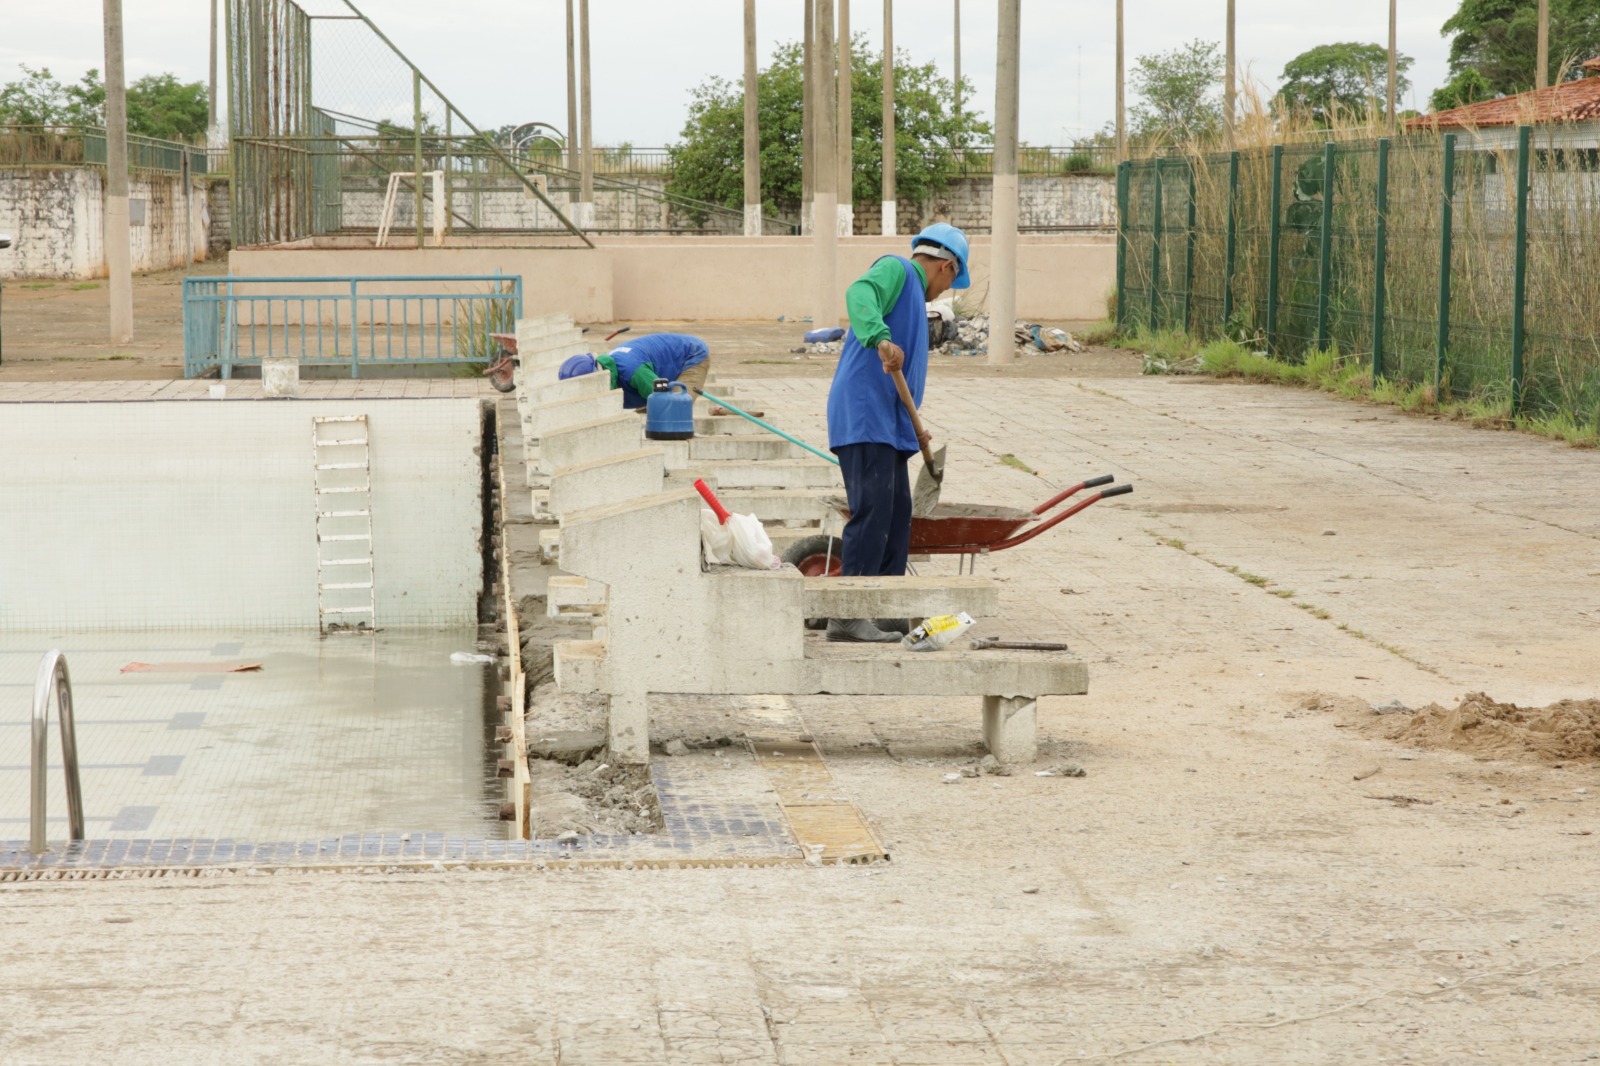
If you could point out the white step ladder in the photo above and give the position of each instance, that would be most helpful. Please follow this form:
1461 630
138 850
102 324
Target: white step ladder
346 593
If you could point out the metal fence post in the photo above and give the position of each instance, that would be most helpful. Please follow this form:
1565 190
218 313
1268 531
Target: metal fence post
1123 169
1273 233
1446 225
1233 236
1188 256
1155 249
1325 249
1520 284
1380 259
355 361
416 144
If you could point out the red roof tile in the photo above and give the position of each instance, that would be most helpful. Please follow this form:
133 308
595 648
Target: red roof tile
1571 101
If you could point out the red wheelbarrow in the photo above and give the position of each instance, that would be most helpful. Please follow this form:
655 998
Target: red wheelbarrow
963 529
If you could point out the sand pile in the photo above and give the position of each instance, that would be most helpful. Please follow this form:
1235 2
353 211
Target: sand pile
1566 731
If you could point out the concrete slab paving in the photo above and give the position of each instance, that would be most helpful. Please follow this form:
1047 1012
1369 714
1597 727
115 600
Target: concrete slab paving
1227 884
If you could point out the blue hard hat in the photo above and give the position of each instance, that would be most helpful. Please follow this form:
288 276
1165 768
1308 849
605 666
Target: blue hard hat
576 366
952 240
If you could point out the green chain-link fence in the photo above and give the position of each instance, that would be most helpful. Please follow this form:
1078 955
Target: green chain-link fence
1456 265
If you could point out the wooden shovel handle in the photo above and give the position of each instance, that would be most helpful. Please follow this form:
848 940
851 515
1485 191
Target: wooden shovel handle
916 419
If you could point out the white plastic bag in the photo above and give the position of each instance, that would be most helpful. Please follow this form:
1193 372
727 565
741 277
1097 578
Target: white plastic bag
747 543
740 541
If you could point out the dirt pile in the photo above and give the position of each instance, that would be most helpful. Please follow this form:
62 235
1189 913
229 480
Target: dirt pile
1567 731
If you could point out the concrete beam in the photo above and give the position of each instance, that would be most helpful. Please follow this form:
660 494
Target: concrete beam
900 597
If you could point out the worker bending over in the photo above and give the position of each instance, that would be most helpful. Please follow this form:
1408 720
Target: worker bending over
634 367
868 427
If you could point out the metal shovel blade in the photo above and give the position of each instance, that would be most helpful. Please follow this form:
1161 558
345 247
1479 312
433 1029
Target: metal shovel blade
925 495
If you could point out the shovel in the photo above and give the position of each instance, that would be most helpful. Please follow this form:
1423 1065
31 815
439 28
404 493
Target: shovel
925 495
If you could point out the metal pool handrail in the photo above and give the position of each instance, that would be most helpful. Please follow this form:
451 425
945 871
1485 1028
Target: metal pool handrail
53 674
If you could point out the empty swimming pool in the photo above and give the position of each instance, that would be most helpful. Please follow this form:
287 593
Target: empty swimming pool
166 546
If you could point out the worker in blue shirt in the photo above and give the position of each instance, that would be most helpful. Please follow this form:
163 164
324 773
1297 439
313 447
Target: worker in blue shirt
635 366
868 427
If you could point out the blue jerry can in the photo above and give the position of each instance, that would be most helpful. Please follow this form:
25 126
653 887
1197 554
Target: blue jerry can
669 413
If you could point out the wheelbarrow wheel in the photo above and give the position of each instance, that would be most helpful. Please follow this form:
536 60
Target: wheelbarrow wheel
816 556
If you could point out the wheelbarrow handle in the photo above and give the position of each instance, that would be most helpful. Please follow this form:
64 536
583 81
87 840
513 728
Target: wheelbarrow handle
1094 482
1061 516
1120 490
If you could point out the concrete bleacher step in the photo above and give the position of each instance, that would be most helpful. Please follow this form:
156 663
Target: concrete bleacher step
745 447
900 597
545 418
726 426
778 505
757 474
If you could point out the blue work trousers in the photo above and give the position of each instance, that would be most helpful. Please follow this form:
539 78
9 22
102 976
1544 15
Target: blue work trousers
877 538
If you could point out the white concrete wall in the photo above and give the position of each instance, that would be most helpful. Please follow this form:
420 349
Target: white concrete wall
643 279
57 220
200 514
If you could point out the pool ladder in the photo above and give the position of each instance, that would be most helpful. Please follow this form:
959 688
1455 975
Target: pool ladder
53 677
346 581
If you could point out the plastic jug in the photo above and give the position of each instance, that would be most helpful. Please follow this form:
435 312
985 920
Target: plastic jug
669 412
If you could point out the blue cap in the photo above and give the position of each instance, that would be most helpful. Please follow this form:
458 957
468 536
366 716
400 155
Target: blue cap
576 366
952 240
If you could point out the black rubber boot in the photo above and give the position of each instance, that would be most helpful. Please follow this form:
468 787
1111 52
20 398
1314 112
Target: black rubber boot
858 631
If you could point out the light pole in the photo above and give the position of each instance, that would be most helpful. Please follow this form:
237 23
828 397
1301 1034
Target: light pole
1541 74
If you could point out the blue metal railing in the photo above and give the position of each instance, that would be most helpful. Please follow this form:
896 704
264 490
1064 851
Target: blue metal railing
387 320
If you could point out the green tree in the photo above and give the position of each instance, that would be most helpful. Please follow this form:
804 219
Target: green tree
1467 87
708 164
1341 77
159 105
38 99
1499 39
1180 93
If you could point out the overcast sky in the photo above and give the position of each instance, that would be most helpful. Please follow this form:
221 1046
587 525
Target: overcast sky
502 61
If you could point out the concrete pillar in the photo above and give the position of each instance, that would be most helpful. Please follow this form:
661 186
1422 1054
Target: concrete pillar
1541 72
825 204
1003 230
211 84
585 208
1122 111
118 238
1011 727
846 126
752 128
890 223
628 728
958 57
1229 86
572 90
1389 93
808 117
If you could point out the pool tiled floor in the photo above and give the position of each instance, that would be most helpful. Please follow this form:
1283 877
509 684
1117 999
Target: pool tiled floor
372 735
